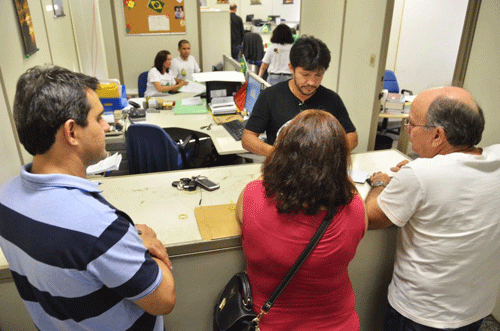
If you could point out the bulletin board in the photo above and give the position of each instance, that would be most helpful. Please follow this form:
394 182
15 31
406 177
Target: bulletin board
154 16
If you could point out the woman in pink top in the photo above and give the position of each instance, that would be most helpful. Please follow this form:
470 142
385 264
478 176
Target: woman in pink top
305 175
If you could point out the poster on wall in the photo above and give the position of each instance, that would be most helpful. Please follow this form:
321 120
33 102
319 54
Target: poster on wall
26 24
154 17
255 2
222 2
288 2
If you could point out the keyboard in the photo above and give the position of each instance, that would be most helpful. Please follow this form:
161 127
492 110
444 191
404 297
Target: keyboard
235 128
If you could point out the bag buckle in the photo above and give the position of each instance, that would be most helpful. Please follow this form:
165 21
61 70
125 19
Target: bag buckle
254 325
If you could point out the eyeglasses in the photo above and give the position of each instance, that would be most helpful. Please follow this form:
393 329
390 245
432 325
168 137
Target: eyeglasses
406 123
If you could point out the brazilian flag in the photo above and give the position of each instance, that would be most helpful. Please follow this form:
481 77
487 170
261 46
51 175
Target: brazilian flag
243 64
156 5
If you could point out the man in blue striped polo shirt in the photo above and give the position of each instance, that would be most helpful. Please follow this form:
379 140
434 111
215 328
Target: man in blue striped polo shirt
77 262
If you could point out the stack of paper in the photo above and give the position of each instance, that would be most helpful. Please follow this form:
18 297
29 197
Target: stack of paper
109 163
395 101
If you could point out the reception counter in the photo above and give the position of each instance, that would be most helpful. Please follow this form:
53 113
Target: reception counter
202 267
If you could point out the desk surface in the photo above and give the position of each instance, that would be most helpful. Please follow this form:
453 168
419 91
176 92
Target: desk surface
224 143
150 198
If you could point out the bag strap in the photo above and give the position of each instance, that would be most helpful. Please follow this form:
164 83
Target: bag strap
296 266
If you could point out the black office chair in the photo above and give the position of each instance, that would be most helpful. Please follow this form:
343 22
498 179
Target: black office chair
253 49
151 149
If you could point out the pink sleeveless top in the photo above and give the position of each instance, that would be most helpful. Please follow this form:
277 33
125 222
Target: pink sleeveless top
320 295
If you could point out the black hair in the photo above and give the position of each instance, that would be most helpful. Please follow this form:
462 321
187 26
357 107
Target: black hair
46 97
282 34
310 53
160 58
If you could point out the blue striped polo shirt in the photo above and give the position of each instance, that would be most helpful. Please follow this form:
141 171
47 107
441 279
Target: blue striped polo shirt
77 262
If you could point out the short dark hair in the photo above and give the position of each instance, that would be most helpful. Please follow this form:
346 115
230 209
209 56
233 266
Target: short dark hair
463 125
233 6
183 41
308 166
282 34
46 97
310 53
160 58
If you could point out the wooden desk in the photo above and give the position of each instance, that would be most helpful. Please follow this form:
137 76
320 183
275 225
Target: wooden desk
201 268
224 143
403 134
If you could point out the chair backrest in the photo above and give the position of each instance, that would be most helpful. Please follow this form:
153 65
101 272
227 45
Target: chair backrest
142 82
390 82
253 47
151 149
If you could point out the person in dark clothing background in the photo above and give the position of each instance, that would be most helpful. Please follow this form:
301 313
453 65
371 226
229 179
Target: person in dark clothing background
237 32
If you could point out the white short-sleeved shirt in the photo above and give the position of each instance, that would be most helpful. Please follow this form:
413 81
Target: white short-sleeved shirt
184 70
278 57
447 265
155 76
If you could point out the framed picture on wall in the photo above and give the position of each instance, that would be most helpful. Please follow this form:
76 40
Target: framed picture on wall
222 2
26 25
255 2
288 2
58 8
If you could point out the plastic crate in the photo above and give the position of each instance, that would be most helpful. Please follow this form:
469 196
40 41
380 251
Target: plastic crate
111 104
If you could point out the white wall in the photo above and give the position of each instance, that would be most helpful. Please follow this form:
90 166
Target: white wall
483 72
268 7
53 48
428 42
137 52
326 25
10 161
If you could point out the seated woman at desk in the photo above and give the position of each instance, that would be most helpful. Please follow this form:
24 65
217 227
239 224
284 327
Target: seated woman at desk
304 178
278 55
159 80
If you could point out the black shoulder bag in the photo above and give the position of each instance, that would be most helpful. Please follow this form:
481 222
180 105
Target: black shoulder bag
234 308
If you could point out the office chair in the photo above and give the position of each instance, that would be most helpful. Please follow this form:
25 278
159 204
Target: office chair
253 49
142 82
151 149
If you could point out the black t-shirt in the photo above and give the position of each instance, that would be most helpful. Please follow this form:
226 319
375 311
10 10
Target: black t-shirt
277 105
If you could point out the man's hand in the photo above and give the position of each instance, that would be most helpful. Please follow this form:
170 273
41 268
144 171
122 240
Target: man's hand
154 246
380 177
399 165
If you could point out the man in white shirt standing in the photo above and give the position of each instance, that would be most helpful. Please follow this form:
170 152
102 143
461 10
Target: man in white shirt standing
445 205
185 65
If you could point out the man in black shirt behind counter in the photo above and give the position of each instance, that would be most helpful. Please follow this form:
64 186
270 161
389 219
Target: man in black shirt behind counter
276 105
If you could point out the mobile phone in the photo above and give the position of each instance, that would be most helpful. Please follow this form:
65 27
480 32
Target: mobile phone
205 183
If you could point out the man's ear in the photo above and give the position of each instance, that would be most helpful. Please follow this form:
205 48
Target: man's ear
69 131
439 137
291 68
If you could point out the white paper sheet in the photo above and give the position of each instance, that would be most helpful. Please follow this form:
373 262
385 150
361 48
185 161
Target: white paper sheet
223 76
193 87
195 101
110 163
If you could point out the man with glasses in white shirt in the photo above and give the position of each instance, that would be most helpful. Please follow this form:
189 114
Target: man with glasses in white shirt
445 204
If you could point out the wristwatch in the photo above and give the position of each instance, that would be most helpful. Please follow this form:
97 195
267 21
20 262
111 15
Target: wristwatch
378 183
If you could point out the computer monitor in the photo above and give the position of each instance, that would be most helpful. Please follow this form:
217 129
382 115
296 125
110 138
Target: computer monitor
255 84
249 18
272 18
